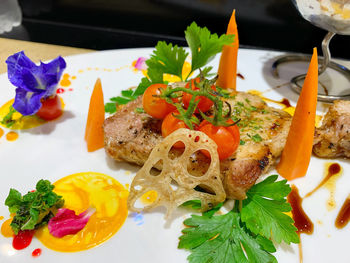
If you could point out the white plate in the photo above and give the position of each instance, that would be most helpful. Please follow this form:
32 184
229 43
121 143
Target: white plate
57 149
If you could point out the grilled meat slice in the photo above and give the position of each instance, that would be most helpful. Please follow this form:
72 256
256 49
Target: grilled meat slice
332 139
131 136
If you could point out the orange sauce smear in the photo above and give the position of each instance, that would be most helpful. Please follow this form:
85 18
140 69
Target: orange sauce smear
1 132
81 191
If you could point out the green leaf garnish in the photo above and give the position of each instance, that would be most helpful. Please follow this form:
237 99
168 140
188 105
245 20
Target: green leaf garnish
243 236
110 107
204 45
33 209
256 138
166 58
224 239
139 110
7 120
264 210
170 59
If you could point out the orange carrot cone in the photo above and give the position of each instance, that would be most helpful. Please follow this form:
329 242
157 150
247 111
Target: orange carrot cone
96 116
228 62
296 155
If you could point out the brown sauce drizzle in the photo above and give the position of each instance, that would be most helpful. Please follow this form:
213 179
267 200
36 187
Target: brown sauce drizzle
286 103
301 221
240 76
324 89
333 169
343 217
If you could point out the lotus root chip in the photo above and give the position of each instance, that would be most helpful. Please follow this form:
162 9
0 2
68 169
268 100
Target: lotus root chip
174 171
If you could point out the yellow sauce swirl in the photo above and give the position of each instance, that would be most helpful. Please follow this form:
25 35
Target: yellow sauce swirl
81 191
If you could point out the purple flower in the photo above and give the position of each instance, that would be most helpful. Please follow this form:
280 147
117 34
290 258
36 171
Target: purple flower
33 82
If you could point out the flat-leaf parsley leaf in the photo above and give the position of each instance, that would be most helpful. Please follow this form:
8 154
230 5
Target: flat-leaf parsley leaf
264 210
204 45
224 239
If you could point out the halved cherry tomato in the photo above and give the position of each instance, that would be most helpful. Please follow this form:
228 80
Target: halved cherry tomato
171 124
51 108
204 103
226 138
156 107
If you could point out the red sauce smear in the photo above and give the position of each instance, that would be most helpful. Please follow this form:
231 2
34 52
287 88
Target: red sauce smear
36 252
333 169
22 239
240 76
343 217
60 90
301 221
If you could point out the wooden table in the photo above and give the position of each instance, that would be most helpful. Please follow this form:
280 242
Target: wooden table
35 51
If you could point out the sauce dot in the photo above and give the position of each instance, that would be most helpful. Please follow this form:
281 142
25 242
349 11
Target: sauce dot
149 197
36 252
1 132
65 83
12 136
66 76
240 76
60 90
1 217
74 77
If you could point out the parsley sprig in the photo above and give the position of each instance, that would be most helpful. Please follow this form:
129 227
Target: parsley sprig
35 208
264 211
170 59
243 234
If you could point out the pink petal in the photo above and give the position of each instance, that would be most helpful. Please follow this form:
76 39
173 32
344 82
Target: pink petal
140 63
66 222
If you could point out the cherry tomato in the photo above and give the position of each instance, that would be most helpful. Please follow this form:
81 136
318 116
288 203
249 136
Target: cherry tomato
51 108
226 138
171 124
156 107
204 103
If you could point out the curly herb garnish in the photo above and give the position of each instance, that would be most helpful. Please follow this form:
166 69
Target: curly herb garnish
33 209
204 89
170 59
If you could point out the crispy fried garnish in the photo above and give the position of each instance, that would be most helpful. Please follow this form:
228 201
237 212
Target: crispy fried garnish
174 172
